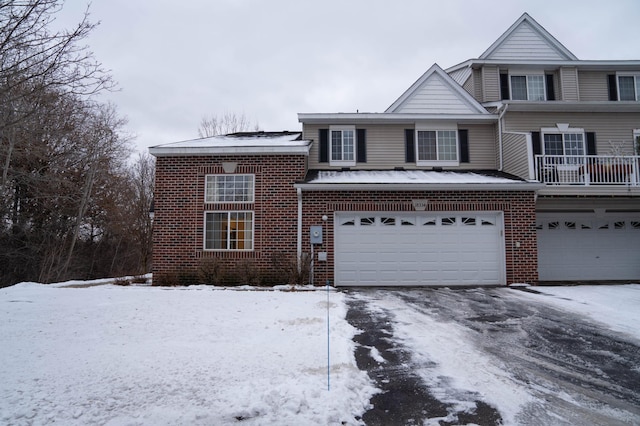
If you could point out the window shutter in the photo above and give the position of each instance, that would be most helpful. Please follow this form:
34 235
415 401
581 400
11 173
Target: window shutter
551 94
409 146
324 146
361 145
613 87
463 136
591 143
535 140
504 86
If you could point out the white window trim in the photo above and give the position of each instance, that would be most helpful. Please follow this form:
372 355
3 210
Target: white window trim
343 163
228 212
435 128
636 145
527 74
252 194
562 131
636 82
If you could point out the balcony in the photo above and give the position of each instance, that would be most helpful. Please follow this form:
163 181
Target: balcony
588 170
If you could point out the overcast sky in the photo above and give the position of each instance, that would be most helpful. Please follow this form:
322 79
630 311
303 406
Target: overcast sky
176 61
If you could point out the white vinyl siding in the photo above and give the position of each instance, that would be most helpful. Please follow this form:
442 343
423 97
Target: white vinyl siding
593 86
436 96
569 84
526 43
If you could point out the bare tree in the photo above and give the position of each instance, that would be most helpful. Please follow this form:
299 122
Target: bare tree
214 125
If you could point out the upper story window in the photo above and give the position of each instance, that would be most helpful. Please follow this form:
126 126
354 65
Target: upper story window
629 87
527 86
437 147
342 145
229 189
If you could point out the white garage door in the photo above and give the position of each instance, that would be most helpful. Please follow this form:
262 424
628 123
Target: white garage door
583 246
419 249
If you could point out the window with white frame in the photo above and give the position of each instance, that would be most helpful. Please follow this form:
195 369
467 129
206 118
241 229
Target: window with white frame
629 87
528 87
437 147
231 230
229 188
342 145
566 141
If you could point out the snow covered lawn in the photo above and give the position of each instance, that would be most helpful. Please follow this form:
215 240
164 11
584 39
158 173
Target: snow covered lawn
158 356
143 355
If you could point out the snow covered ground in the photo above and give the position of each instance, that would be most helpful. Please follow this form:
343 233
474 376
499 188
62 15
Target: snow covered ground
113 355
143 355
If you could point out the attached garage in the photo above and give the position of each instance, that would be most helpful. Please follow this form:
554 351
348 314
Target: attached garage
586 246
419 249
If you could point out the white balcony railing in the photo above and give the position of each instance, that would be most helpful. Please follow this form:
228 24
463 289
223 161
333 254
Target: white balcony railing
588 169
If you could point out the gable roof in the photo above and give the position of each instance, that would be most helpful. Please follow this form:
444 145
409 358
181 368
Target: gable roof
436 93
527 40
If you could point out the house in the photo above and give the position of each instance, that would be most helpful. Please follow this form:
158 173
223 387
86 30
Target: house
518 166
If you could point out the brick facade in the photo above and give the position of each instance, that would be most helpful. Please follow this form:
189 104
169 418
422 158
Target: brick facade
180 207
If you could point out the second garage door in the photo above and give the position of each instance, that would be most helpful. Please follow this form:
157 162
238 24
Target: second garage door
586 246
419 249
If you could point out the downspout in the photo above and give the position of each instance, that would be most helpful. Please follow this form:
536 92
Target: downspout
299 249
502 110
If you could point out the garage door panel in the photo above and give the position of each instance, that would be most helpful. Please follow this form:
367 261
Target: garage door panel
439 249
586 246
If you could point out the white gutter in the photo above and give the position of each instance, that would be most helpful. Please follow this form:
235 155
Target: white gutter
299 248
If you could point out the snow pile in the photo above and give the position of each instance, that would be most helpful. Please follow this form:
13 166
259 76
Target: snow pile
155 356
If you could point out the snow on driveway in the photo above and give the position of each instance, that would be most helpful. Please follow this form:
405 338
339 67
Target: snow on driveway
114 355
553 356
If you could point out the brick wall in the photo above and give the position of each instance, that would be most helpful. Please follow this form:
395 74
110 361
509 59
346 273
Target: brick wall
179 210
518 208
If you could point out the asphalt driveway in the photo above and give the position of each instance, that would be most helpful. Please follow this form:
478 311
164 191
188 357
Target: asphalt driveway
556 367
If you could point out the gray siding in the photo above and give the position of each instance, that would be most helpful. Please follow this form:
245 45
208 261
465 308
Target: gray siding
385 147
477 85
514 158
491 83
569 84
593 86
614 128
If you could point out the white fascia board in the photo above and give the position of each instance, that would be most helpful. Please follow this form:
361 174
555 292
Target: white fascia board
374 118
516 186
161 151
593 65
